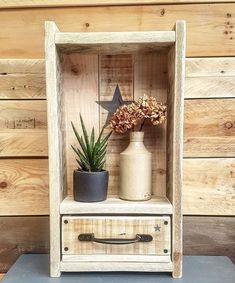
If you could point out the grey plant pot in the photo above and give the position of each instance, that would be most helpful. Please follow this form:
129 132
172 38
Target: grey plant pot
90 186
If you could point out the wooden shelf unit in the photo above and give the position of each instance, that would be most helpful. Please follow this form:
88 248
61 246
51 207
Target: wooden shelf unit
79 67
114 205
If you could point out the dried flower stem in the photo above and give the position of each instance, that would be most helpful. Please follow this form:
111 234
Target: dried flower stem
142 125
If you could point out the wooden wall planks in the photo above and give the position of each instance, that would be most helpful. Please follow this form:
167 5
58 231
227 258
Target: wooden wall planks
209 128
23 187
209 236
7 4
22 235
202 235
210 78
209 186
213 136
215 22
22 79
209 190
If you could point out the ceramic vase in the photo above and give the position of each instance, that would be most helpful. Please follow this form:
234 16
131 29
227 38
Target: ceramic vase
135 170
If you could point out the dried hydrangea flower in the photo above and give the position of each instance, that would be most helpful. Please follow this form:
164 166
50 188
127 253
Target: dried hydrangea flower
128 116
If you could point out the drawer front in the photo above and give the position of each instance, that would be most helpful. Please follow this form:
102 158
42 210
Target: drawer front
147 235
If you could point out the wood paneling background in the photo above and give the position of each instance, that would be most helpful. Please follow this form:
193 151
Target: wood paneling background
209 140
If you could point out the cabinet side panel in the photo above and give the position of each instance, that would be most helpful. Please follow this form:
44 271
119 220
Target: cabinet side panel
176 74
55 144
81 95
115 77
150 78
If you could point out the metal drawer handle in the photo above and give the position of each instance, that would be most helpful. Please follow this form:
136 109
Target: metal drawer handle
114 241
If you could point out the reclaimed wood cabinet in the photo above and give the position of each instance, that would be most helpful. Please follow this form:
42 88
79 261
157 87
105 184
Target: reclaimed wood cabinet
115 235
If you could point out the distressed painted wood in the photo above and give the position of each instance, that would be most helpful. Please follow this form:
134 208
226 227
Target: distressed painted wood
23 187
116 227
209 128
156 205
22 79
175 116
209 186
22 235
6 4
16 43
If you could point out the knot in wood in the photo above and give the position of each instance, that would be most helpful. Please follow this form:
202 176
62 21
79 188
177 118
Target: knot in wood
228 125
3 185
162 12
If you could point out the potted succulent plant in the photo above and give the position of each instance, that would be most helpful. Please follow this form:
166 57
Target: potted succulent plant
90 180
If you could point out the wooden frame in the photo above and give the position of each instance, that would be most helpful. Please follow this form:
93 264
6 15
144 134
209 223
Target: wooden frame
56 3
171 43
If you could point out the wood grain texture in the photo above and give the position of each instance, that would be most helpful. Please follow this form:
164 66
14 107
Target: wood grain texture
209 128
23 187
22 235
209 236
27 114
57 178
112 42
215 22
210 78
117 227
79 97
22 79
123 266
23 143
115 70
205 192
6 4
23 128
209 186
150 78
156 205
202 236
175 116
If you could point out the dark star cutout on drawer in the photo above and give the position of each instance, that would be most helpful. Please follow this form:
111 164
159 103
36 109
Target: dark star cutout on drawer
157 228
111 106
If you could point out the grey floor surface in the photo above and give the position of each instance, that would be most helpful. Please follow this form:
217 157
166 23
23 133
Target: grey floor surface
197 269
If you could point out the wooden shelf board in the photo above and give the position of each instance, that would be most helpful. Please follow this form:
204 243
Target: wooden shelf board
114 205
114 42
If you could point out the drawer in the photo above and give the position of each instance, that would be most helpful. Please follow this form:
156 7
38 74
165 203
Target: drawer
116 235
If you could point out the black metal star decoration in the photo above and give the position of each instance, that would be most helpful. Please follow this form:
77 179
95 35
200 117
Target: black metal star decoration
111 106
